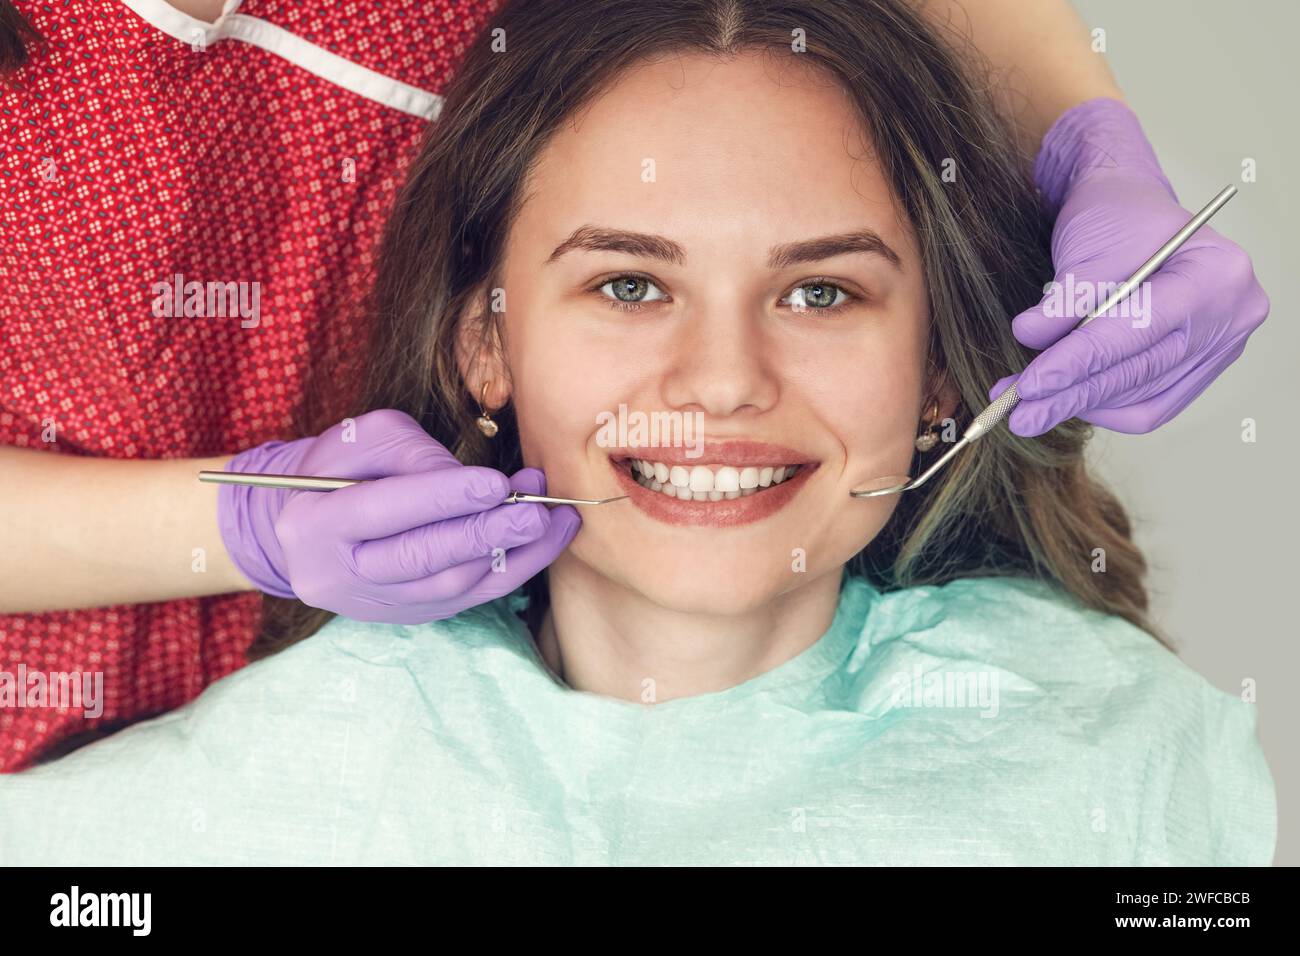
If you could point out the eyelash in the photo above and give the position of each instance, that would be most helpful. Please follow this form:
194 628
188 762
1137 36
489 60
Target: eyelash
619 306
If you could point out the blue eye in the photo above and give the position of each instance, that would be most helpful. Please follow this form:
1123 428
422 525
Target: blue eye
816 295
631 290
628 293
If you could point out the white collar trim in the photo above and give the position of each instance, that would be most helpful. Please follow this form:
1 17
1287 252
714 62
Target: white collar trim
289 46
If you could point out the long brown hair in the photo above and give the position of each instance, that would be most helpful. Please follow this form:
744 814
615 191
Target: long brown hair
1009 506
15 33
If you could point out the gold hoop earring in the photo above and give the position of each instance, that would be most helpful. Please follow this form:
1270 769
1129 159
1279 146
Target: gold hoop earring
929 438
484 421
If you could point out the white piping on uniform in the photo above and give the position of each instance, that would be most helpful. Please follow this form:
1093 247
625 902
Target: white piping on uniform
314 59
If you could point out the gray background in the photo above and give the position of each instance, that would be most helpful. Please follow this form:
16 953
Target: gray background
1214 82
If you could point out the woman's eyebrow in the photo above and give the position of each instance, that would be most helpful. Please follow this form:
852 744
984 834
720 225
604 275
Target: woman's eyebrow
641 244
826 247
647 245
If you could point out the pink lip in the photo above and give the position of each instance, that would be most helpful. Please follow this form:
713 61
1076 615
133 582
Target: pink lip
728 513
739 453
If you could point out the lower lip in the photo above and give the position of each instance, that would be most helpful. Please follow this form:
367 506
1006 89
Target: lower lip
727 513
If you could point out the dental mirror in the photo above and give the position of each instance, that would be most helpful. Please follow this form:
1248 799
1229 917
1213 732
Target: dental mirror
877 487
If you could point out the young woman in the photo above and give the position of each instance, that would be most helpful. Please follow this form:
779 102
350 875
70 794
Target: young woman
670 209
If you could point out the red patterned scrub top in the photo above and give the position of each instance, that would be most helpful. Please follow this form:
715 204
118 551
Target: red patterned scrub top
140 144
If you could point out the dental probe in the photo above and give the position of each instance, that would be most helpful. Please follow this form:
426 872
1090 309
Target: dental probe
1010 398
313 483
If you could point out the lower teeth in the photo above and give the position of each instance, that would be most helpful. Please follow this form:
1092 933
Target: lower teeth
685 494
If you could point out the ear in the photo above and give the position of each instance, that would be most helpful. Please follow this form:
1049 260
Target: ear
940 387
480 354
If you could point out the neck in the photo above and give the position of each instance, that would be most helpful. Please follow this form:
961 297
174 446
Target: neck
206 10
602 637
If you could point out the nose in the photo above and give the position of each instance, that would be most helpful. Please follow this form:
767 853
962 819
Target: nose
722 361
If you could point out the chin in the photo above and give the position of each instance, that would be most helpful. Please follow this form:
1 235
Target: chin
708 587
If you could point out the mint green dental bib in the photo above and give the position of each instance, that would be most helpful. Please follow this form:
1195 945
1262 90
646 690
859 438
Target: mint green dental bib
987 721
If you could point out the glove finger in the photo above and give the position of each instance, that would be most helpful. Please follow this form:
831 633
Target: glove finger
391 505
427 550
529 559
1111 338
1001 385
529 480
380 443
1124 389
438 597
486 579
1149 414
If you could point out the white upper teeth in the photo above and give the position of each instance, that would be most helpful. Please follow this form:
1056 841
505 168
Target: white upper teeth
708 483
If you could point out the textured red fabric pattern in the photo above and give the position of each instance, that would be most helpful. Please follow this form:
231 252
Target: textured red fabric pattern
127 157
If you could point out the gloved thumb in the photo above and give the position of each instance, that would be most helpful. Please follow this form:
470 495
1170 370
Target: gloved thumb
531 481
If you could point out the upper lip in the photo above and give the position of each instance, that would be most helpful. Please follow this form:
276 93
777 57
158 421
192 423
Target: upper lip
742 452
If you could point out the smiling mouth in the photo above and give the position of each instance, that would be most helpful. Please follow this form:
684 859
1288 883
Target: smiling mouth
741 485
707 482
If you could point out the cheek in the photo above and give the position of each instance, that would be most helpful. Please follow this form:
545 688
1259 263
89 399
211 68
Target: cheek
559 384
876 416
866 392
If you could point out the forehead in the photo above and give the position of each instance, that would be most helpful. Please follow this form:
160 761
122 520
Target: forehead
747 151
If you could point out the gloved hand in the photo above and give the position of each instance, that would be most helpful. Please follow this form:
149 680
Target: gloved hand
414 546
1116 209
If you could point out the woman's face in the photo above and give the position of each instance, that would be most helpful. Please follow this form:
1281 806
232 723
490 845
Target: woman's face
717 197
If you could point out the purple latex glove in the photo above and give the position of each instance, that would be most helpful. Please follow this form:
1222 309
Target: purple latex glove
414 546
1116 209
